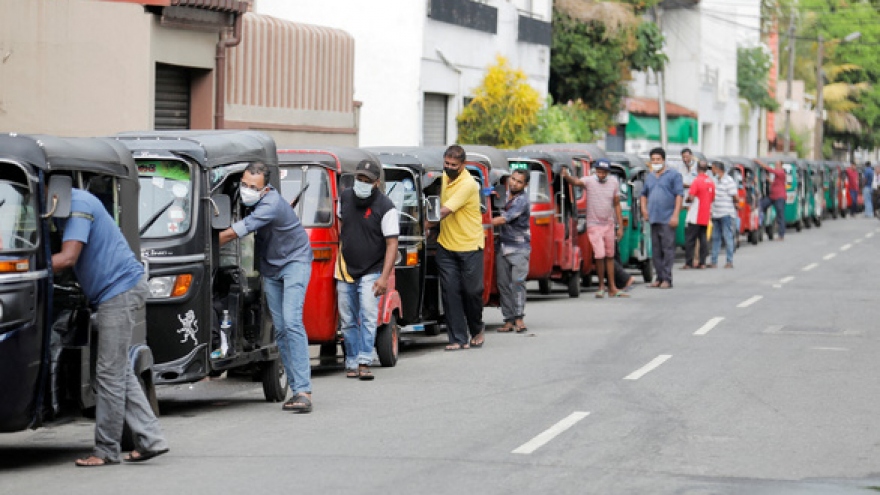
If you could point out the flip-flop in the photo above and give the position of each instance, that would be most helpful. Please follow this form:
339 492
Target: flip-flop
143 455
300 403
365 374
84 461
522 329
620 294
505 329
352 373
600 294
457 347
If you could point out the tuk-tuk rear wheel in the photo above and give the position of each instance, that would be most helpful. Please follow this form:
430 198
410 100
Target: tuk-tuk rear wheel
544 286
387 342
648 271
274 380
574 283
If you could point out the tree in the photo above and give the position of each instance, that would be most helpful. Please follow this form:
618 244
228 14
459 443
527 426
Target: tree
752 73
504 110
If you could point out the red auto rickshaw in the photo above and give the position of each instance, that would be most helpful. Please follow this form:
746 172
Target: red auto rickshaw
311 180
556 254
744 173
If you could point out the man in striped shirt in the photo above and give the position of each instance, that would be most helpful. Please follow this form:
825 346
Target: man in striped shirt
723 214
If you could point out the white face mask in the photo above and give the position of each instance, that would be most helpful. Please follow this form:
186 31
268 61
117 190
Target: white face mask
656 167
249 197
363 189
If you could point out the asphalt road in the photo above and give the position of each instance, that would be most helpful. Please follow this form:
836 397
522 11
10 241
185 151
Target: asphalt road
755 380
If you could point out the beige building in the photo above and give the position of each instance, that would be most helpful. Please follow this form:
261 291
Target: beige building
803 116
92 67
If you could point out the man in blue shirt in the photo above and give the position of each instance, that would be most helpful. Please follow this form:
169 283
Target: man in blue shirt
867 189
661 203
512 253
285 253
113 280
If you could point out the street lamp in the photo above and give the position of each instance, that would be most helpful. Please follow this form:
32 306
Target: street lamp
820 97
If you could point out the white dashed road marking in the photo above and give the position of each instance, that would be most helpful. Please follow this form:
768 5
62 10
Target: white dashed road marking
709 325
644 370
829 256
786 280
869 235
748 302
858 240
550 433
845 247
810 267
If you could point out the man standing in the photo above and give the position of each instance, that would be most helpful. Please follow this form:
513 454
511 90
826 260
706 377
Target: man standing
460 253
852 180
282 245
368 234
661 203
723 215
113 280
689 169
700 196
777 196
867 189
512 251
604 221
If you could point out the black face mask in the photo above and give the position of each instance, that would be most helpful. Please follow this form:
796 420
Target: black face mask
451 173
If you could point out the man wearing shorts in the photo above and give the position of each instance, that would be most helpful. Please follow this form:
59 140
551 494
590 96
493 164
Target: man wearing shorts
603 208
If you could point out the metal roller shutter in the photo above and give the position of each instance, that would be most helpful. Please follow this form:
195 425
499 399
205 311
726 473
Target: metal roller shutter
172 99
434 120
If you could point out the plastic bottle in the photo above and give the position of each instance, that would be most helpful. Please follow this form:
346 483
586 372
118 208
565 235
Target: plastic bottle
225 326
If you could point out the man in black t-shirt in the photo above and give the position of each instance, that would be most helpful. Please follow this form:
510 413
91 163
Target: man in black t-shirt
368 248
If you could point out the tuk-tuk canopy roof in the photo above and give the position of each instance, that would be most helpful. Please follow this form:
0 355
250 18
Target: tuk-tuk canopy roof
398 155
490 156
52 153
341 159
634 163
209 149
594 151
746 163
557 160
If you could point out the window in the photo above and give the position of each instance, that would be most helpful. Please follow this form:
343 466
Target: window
166 198
400 187
539 187
18 218
311 191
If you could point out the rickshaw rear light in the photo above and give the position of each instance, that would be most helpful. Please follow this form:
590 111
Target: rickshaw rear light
14 266
181 285
323 254
412 258
542 221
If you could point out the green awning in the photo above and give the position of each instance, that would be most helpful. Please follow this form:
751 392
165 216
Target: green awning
682 130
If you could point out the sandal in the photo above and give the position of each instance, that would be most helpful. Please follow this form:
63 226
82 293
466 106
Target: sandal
94 461
600 294
479 344
352 373
365 374
143 455
619 294
522 329
506 328
457 347
300 403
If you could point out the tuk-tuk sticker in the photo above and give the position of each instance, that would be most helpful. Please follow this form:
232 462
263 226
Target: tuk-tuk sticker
159 181
179 190
190 327
176 213
282 174
173 227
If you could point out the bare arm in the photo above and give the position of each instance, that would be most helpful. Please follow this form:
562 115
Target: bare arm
67 257
644 203
381 285
673 222
227 235
619 213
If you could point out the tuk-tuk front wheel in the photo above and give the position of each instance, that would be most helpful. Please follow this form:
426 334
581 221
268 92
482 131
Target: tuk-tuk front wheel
574 283
648 271
544 286
274 380
387 342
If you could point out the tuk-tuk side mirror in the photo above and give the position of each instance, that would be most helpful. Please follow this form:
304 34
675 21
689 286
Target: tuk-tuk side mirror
58 196
433 213
221 212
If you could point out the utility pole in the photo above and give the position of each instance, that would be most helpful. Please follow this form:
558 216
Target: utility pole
661 95
820 100
789 79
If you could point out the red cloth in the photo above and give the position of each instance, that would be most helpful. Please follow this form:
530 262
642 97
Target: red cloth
703 189
853 177
777 188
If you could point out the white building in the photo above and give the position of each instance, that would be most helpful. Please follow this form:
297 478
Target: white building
417 61
701 41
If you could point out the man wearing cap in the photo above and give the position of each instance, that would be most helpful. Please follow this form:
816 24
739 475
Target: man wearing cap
700 196
368 248
603 220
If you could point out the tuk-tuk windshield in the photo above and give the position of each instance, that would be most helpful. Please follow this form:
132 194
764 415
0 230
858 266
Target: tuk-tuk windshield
314 205
165 198
539 187
400 187
18 218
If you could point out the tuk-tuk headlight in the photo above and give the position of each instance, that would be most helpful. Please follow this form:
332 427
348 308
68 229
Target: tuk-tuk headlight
170 286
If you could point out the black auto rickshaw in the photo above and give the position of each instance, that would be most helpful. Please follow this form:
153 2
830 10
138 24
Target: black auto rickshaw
47 341
202 294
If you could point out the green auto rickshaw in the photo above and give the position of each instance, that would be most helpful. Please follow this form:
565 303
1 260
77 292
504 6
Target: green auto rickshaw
794 200
634 247
814 197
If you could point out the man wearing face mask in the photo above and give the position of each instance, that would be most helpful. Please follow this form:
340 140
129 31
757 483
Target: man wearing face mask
661 203
604 221
368 248
460 253
513 250
285 254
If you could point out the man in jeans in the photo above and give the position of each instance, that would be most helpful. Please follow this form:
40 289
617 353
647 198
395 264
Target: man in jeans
368 230
723 215
661 203
777 195
285 264
113 280
460 252
867 189
512 251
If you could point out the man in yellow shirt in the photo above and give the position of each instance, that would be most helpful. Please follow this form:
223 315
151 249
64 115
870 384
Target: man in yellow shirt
460 254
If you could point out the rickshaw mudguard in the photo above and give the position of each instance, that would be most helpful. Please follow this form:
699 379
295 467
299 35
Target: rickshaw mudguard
140 357
388 304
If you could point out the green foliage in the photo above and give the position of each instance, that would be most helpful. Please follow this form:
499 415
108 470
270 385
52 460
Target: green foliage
568 123
649 50
504 110
752 73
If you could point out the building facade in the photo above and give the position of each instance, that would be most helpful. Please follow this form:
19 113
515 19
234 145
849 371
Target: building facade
417 62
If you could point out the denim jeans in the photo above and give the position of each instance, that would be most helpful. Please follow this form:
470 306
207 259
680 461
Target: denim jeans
285 296
779 206
869 207
722 227
358 315
119 395
854 201
461 280
512 270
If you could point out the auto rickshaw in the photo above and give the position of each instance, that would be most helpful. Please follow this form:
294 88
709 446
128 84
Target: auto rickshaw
47 331
312 180
634 247
794 200
830 185
555 255
189 193
844 200
744 172
814 192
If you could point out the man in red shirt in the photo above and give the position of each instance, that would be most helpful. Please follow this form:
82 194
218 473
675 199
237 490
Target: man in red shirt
852 183
777 195
700 195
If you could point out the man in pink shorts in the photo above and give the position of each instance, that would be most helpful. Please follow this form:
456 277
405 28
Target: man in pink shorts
603 208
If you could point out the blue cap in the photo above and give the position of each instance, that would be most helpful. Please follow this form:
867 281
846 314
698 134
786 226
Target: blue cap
602 164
